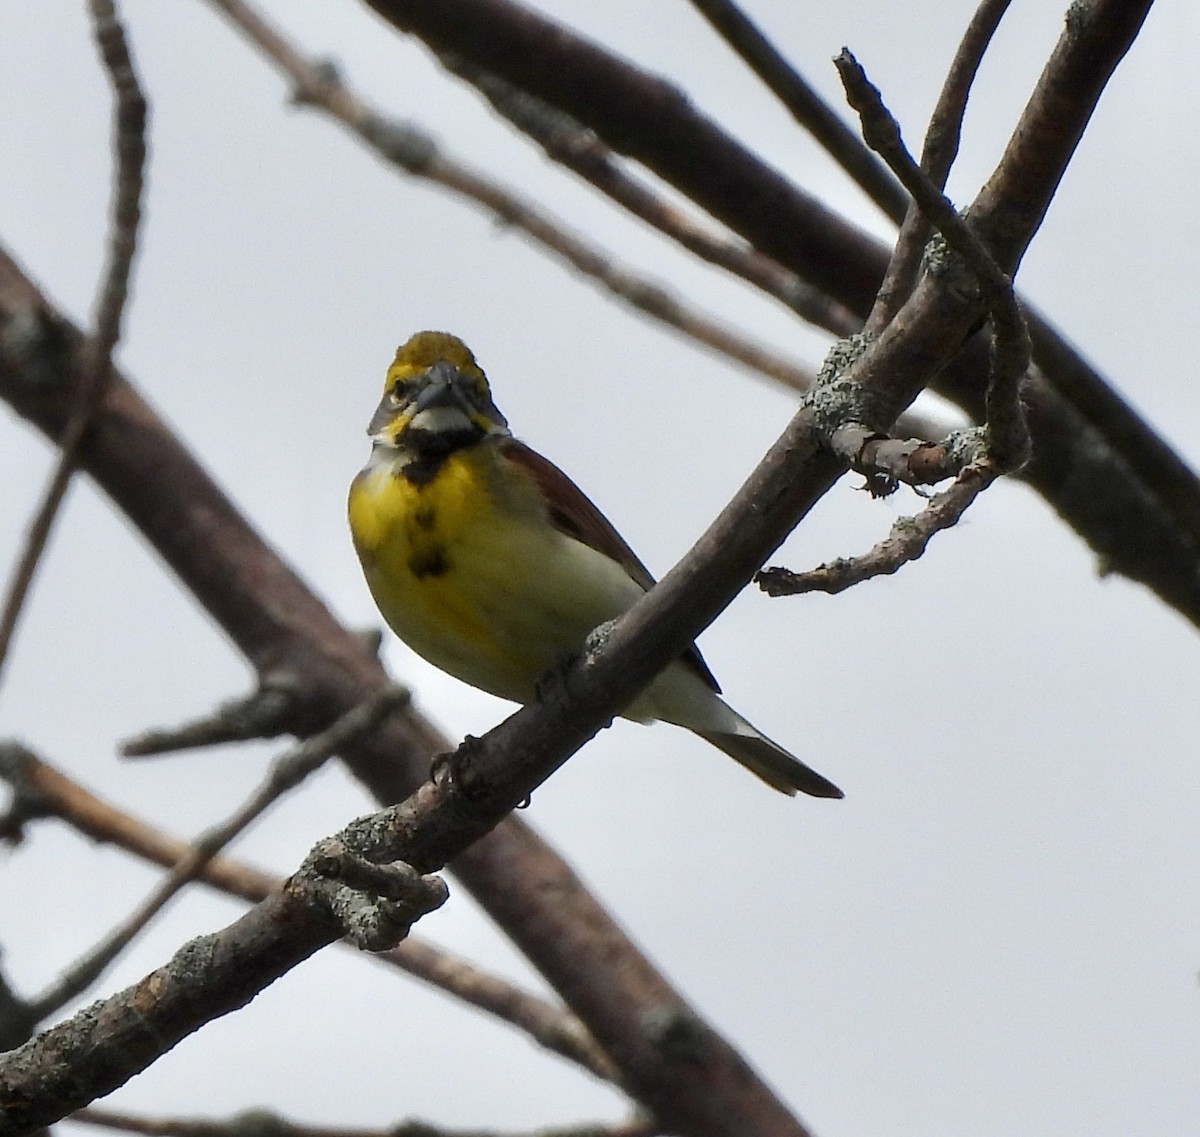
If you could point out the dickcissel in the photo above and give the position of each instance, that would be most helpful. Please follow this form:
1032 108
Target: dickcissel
488 561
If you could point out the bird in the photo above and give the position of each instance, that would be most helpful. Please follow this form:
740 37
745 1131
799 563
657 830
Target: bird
491 564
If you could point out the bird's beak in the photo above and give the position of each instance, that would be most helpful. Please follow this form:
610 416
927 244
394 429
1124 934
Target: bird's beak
438 390
443 389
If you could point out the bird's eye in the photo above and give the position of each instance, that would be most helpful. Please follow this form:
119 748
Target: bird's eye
395 398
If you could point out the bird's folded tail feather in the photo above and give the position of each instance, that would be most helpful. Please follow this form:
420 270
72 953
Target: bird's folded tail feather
771 763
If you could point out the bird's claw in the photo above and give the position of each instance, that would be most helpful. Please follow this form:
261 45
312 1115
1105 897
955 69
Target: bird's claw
450 769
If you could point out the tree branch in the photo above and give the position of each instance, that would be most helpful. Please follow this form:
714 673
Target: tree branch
286 772
937 156
256 1123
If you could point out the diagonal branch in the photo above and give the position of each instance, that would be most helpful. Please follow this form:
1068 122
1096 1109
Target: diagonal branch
652 121
581 151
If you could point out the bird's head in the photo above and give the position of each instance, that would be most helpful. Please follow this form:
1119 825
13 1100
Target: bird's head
435 397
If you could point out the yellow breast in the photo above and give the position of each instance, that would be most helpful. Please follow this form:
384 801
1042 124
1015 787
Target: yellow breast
469 572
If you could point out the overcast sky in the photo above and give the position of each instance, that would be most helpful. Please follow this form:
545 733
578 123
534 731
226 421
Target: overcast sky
995 932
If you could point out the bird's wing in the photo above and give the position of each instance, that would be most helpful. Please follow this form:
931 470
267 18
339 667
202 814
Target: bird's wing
574 514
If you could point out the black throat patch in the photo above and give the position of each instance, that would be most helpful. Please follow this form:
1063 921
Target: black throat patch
430 452
422 469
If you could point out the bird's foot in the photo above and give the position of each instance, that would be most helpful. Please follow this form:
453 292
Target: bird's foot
553 682
451 769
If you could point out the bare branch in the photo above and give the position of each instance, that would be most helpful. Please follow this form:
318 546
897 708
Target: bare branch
264 713
651 121
129 127
882 133
1003 445
255 1123
907 541
937 156
580 150
1007 433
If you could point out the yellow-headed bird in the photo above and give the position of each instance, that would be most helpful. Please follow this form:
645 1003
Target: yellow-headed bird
491 563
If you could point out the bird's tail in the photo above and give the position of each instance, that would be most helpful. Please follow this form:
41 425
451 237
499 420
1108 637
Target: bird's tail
771 762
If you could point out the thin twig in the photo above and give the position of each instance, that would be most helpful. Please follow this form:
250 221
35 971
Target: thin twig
906 542
945 124
416 152
937 157
129 128
287 772
257 1122
264 713
1008 435
805 105
882 133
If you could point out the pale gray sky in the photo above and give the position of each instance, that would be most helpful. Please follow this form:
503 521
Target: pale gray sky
994 933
